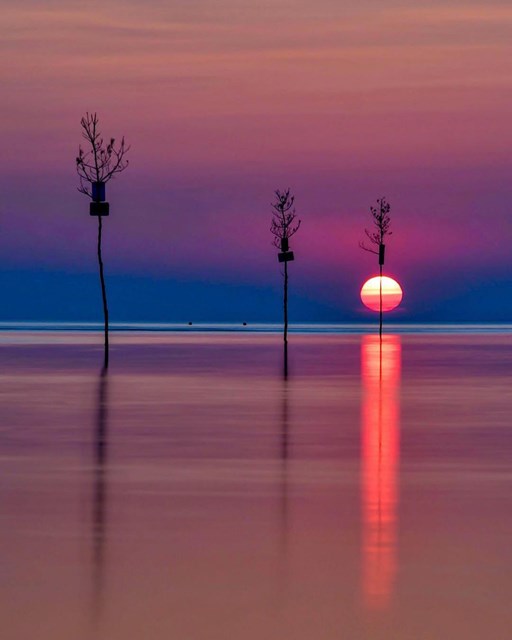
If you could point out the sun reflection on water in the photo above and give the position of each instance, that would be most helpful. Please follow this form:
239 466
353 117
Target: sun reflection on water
380 363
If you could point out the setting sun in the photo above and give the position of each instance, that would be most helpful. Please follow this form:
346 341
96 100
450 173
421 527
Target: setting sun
391 293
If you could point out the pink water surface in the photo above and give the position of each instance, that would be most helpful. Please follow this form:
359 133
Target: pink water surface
194 493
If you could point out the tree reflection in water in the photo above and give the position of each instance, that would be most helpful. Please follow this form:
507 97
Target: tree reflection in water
99 507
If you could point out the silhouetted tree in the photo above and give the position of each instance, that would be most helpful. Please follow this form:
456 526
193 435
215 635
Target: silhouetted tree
96 165
381 223
283 226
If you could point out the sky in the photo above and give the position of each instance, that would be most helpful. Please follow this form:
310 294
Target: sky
224 102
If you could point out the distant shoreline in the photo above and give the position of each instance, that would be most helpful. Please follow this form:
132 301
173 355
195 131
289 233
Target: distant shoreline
269 328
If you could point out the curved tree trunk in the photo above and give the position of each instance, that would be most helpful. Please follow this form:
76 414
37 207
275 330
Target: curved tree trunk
103 294
380 301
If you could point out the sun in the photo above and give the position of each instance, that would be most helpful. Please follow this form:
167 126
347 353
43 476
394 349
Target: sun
391 293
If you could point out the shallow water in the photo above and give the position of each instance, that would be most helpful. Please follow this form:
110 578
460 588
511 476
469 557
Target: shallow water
193 492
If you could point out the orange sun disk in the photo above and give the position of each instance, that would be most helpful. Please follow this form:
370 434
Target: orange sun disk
391 293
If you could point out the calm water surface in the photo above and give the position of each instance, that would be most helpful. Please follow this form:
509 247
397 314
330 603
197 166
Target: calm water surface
194 493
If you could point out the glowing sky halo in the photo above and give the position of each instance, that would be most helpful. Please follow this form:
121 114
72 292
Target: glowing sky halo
391 293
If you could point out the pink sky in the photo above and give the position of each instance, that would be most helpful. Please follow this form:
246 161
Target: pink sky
224 102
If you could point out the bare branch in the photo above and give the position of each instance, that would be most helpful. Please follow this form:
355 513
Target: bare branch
382 221
98 162
365 248
284 222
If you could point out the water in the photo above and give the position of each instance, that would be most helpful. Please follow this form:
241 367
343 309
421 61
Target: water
193 492
207 327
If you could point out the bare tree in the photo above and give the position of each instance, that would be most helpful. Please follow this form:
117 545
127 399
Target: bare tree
381 223
283 226
98 163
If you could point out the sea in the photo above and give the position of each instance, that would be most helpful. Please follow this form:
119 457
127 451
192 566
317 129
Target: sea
198 489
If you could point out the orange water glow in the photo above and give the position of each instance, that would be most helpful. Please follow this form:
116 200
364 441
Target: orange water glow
380 457
391 293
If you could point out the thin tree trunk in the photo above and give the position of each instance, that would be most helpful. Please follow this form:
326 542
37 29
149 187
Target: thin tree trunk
380 300
285 310
103 294
285 302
